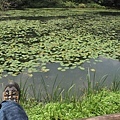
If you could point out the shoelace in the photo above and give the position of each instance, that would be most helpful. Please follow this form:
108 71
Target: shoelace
11 95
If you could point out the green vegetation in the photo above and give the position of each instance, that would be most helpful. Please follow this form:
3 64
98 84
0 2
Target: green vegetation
96 99
105 102
21 4
34 37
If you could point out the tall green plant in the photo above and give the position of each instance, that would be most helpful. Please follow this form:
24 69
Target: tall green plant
42 93
24 90
94 84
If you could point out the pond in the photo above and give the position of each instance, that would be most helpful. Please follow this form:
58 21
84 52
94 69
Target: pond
65 39
108 68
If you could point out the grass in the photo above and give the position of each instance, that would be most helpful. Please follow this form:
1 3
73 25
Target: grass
96 99
105 102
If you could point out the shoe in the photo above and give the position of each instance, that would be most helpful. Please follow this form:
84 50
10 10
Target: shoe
11 92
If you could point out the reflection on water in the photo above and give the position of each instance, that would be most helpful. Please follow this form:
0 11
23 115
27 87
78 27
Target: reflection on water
78 77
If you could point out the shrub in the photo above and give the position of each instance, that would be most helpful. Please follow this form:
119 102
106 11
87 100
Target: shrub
69 4
13 4
105 102
94 5
82 5
46 3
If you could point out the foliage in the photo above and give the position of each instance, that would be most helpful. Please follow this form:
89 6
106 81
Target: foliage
10 4
94 5
105 102
69 4
109 3
28 42
45 3
18 4
97 99
55 93
81 5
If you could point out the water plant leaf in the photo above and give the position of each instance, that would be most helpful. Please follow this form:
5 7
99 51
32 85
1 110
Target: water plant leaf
69 41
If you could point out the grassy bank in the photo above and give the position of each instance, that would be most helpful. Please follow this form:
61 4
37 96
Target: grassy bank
104 102
96 99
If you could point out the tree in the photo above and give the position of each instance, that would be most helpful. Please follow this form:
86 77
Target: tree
109 3
12 4
117 3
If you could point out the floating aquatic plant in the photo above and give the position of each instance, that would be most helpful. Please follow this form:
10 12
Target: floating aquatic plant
69 38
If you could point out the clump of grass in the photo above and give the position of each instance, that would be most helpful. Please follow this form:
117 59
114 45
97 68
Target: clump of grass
94 85
59 94
95 99
24 90
105 102
94 5
116 82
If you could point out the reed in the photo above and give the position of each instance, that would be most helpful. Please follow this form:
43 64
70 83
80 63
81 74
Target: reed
58 94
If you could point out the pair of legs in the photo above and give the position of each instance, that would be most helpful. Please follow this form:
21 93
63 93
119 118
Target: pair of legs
10 108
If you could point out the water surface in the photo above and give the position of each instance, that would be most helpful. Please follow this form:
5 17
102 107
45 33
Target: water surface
108 67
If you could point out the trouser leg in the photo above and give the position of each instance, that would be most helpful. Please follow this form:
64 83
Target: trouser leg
11 110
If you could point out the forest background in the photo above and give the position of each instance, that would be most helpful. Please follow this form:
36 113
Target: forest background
22 4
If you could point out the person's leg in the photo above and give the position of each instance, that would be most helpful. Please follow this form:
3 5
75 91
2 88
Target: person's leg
10 108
